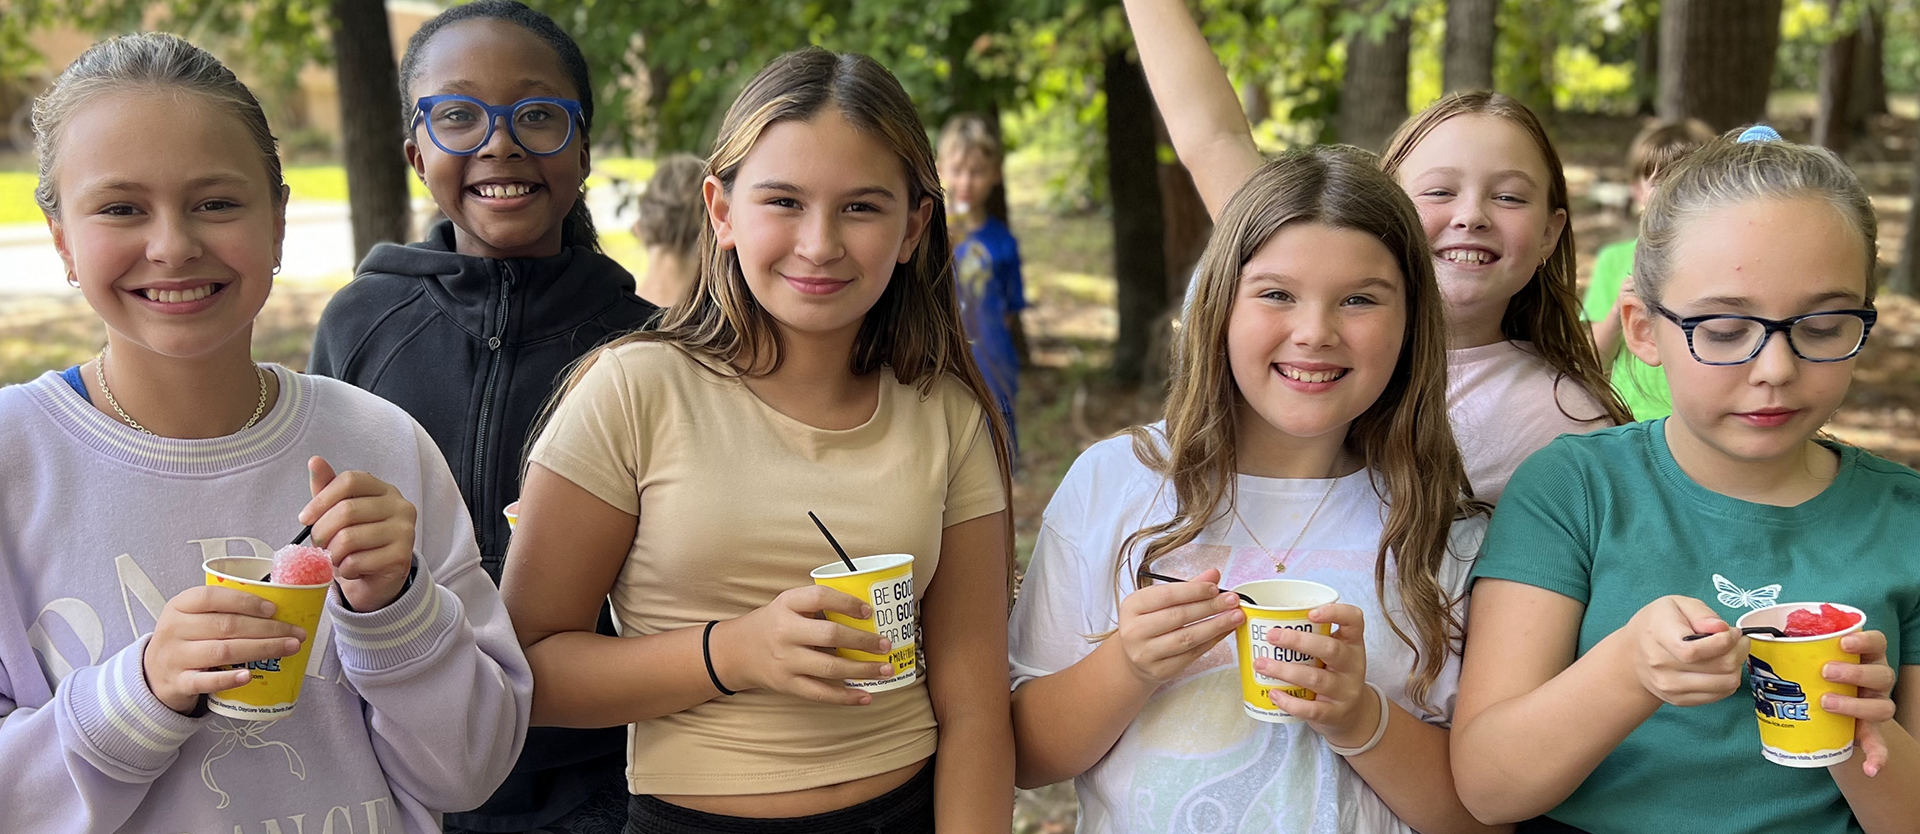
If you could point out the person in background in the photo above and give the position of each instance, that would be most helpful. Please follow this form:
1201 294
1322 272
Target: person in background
986 256
1640 386
672 216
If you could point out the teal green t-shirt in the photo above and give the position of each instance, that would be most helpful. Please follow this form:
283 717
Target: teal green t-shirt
1641 386
1610 520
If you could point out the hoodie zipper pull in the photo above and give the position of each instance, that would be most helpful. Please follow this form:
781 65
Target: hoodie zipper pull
506 289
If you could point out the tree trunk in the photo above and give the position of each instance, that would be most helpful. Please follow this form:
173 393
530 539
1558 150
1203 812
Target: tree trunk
1646 70
1373 95
1139 241
1184 217
1830 129
1472 27
1255 101
1717 59
1869 70
1530 77
1906 275
370 126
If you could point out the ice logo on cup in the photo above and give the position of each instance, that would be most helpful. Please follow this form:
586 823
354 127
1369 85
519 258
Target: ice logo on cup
1783 673
886 583
1774 696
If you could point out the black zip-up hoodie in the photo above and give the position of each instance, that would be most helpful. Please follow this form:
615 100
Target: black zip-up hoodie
473 347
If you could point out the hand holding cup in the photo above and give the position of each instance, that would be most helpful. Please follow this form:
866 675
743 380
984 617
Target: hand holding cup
1343 711
202 632
1165 628
791 649
1874 704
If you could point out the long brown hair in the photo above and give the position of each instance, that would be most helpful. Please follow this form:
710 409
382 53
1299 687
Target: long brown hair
914 328
1403 438
1545 312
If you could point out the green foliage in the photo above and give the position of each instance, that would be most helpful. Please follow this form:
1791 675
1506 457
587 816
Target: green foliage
667 69
16 198
268 41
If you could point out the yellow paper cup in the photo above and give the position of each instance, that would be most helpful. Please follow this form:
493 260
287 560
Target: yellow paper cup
512 512
1783 673
1278 604
276 682
886 583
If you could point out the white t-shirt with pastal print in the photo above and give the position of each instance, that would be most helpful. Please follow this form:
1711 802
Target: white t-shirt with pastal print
1193 760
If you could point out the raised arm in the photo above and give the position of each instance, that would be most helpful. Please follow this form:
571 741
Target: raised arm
1203 115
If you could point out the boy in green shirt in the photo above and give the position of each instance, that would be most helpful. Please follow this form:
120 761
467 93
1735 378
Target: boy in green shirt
1641 386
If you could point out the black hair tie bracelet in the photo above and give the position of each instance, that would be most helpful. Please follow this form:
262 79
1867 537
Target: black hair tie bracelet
706 654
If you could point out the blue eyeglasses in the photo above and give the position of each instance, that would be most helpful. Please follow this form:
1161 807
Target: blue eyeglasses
462 125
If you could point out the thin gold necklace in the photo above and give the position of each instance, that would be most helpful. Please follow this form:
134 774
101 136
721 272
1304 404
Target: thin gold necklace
100 376
1279 564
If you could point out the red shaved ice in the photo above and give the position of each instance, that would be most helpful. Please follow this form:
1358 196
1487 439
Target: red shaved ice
1809 623
302 564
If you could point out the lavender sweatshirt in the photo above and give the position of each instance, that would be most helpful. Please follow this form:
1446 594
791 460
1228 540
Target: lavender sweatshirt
407 712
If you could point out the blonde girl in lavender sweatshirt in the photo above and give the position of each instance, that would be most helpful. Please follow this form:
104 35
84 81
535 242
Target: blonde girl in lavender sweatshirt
162 187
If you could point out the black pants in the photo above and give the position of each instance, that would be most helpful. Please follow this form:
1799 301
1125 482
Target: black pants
1542 825
603 812
907 809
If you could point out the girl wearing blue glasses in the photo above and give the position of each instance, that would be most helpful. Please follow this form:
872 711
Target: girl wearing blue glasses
1581 697
469 329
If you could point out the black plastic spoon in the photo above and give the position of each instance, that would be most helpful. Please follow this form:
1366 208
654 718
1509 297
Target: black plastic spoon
1151 575
1770 631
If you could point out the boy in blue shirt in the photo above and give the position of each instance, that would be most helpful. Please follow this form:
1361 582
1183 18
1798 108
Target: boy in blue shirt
986 257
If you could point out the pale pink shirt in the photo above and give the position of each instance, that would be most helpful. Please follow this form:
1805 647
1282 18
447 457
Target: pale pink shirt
1506 403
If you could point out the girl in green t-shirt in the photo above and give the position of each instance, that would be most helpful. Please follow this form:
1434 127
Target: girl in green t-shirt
1583 700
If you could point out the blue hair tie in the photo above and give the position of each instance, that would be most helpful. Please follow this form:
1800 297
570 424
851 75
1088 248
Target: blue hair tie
1759 133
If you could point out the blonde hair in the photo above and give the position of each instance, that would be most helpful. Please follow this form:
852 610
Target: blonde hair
672 212
970 133
148 61
1403 438
1663 143
1728 172
914 328
1545 312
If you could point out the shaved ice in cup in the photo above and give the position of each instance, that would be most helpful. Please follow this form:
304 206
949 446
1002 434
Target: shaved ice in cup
275 684
1803 622
302 564
1783 674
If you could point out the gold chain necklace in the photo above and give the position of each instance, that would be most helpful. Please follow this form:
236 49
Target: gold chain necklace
100 376
1280 565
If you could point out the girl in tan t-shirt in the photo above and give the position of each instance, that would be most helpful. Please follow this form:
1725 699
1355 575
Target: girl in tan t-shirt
824 313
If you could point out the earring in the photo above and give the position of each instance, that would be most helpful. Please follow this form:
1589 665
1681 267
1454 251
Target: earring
276 268
72 280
